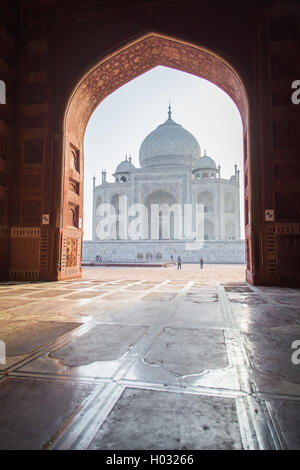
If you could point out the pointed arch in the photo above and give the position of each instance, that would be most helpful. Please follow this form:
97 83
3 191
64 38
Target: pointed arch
109 73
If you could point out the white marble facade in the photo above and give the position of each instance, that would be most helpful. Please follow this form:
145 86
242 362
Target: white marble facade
172 171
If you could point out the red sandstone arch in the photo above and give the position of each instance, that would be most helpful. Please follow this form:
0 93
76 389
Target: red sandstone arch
103 78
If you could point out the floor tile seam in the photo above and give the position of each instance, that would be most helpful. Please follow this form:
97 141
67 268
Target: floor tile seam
88 403
128 383
51 346
80 433
266 297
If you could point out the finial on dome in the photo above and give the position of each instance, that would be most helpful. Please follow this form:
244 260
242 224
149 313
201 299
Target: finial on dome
169 112
126 157
205 152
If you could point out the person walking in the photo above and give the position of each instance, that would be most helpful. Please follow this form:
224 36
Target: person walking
178 262
201 262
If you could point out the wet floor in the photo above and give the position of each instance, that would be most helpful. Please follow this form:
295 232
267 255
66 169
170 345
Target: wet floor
150 358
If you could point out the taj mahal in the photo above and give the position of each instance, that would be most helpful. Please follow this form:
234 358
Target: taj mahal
173 173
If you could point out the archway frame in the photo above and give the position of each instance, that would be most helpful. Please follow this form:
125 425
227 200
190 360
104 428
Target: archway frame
102 78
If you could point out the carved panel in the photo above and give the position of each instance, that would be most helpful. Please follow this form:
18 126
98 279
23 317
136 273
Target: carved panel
283 252
71 255
282 28
271 250
32 212
25 253
36 62
281 98
37 46
33 151
73 214
74 158
32 181
74 186
35 93
285 135
44 251
288 206
287 170
288 253
36 77
68 265
284 65
34 121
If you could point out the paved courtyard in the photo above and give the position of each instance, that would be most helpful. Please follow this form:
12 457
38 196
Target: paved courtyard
150 358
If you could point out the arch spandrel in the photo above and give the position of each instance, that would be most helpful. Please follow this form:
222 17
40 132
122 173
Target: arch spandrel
140 57
120 67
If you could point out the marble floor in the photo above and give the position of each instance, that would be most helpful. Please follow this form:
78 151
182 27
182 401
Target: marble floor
150 358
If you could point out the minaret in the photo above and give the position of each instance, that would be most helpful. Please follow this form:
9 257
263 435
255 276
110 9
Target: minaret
103 176
94 182
129 159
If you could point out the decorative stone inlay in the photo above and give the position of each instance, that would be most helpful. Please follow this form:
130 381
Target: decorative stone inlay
138 58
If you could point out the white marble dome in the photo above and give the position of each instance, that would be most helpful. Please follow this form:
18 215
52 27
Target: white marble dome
124 167
205 163
169 145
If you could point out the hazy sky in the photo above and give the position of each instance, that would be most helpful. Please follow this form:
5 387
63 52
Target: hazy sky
122 121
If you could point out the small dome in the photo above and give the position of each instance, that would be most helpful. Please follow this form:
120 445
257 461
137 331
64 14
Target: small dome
124 167
169 144
205 163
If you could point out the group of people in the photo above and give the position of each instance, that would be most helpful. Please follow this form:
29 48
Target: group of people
99 260
179 262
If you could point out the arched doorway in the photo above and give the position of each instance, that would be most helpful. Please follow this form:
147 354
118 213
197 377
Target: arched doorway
164 202
104 77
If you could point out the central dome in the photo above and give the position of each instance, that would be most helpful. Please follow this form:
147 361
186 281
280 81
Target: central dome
169 145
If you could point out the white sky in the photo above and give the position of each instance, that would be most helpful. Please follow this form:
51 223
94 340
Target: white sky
122 121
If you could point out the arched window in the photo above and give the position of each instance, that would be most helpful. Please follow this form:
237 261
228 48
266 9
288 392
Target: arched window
98 203
75 159
166 220
2 92
204 175
229 230
229 203
206 199
123 179
115 200
208 230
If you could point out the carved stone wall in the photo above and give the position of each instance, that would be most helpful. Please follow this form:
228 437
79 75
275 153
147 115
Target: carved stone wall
70 254
25 253
8 26
279 168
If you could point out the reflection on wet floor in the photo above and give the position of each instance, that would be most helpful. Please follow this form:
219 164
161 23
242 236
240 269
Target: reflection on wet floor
127 359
